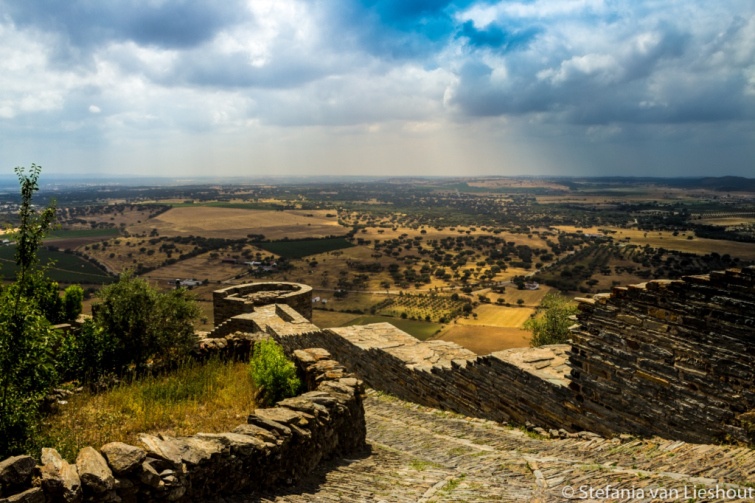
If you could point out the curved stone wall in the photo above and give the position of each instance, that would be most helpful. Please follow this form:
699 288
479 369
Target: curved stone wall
240 299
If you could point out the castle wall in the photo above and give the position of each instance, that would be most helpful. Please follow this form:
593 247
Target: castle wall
670 358
240 299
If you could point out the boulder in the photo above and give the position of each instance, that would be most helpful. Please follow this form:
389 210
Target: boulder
123 458
95 474
60 479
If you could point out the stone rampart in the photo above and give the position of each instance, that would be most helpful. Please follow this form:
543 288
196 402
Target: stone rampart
671 358
276 446
239 299
668 358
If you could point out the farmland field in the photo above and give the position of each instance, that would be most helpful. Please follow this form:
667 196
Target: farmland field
68 267
498 316
234 223
305 248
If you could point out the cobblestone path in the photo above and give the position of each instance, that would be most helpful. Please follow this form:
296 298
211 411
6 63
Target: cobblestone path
423 455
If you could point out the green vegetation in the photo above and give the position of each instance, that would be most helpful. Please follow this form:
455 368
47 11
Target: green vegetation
145 325
61 267
304 247
274 374
210 397
81 233
551 325
27 340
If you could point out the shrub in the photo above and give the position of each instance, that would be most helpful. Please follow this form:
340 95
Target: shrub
273 373
146 325
552 325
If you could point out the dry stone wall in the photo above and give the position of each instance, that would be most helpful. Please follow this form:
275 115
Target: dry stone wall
671 358
239 299
668 358
276 446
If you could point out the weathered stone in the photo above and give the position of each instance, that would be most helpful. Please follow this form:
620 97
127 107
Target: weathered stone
33 495
60 479
123 458
16 470
94 472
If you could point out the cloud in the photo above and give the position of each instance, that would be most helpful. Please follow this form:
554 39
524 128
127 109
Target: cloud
588 64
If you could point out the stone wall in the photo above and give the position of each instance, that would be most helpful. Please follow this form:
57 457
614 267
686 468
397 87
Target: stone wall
276 446
516 385
239 299
668 358
671 358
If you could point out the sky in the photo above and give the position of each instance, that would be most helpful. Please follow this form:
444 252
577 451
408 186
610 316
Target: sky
188 88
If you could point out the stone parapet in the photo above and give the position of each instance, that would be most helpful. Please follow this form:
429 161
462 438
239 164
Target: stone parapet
276 446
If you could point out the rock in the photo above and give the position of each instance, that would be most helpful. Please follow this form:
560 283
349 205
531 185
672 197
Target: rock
60 479
94 472
33 495
123 458
149 475
17 470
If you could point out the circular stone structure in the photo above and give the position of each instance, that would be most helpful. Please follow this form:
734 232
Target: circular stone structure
239 299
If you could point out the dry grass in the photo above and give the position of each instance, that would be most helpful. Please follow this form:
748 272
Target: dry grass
485 340
233 223
213 397
498 316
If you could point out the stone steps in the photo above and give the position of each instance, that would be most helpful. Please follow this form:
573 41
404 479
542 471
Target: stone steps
420 454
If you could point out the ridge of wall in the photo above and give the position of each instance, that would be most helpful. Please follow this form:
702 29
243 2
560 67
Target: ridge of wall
675 358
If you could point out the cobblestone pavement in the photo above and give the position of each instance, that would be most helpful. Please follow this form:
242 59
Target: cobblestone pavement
423 455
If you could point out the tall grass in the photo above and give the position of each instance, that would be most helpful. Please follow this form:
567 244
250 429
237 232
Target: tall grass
211 397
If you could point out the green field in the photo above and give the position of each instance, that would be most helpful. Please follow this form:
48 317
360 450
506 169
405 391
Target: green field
82 233
419 329
304 247
68 268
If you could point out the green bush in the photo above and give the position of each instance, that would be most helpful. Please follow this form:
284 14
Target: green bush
273 373
146 325
551 326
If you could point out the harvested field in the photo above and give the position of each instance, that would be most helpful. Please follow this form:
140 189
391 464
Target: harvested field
531 298
489 315
232 223
329 319
485 340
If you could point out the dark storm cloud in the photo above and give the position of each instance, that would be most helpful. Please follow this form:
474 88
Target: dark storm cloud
169 24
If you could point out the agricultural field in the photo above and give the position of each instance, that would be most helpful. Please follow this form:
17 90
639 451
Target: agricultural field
303 248
234 223
488 315
67 268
